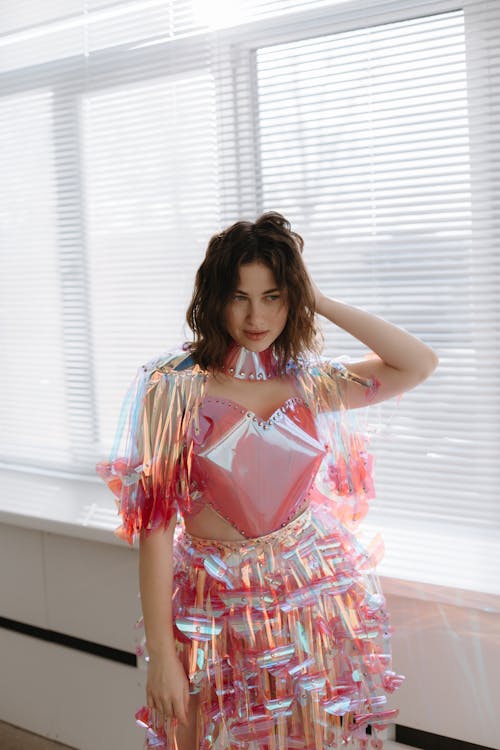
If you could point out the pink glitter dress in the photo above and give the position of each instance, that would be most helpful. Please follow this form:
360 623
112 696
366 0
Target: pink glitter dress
284 635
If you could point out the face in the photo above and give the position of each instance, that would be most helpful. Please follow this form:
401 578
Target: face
257 307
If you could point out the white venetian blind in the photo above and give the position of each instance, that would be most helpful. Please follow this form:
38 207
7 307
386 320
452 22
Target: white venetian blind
132 131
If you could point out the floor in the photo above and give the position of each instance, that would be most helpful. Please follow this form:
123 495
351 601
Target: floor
13 738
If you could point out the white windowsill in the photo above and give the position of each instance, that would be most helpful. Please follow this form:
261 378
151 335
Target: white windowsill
85 508
82 507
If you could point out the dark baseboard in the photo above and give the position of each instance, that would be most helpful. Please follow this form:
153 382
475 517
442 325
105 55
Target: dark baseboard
430 741
78 644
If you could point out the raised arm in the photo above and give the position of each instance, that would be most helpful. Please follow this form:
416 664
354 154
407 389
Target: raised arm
400 361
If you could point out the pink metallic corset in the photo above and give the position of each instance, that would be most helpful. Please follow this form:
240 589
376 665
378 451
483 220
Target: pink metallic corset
254 472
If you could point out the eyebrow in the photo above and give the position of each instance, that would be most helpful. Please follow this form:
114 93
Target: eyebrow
240 291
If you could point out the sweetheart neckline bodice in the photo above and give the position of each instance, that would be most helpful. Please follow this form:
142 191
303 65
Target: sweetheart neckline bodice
254 473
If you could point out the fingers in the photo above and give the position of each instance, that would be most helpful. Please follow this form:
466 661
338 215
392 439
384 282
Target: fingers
170 710
181 711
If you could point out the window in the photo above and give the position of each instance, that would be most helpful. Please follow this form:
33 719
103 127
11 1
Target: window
134 131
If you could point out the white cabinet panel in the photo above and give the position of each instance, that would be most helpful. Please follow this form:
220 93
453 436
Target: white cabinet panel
92 590
22 595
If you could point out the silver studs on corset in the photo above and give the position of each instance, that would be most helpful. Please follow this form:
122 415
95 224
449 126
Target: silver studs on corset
264 423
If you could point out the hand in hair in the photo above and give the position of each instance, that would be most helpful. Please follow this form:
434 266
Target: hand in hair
318 294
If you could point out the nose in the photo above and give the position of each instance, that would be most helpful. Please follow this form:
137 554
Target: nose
254 317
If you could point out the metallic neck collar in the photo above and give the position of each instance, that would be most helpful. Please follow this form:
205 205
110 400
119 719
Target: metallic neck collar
244 364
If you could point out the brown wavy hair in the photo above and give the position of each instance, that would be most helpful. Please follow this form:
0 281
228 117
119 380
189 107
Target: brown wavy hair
271 241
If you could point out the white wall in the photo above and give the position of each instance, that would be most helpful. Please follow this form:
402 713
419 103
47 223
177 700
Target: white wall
80 588
451 660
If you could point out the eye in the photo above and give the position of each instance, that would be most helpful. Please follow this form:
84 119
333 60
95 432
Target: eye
273 297
238 297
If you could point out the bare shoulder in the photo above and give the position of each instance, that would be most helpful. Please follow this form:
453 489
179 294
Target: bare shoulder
387 382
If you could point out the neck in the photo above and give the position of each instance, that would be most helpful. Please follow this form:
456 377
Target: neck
244 364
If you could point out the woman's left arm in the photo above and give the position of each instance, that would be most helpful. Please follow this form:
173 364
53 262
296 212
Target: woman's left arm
402 362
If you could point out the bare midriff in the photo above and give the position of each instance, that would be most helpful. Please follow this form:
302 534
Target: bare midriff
208 524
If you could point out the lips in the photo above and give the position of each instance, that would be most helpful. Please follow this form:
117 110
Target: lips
255 335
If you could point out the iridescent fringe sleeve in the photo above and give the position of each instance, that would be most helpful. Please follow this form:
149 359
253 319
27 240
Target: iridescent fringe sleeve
145 470
345 479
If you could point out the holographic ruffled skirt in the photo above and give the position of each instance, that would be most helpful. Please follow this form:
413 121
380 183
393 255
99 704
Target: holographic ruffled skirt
285 639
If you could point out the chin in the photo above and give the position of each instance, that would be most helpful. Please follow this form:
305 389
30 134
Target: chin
254 346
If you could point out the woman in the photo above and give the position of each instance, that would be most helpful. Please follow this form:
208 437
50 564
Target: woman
264 622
